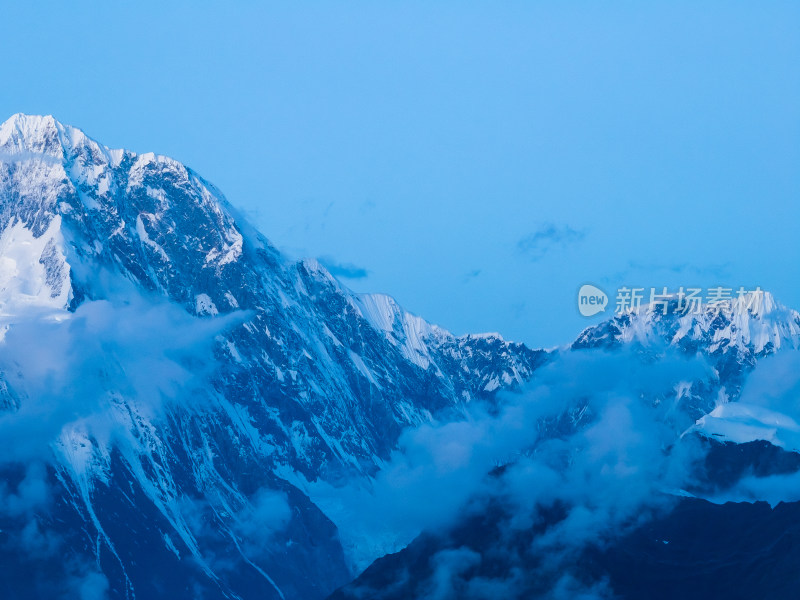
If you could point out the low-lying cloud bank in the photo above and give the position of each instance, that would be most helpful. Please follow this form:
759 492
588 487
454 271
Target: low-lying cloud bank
597 445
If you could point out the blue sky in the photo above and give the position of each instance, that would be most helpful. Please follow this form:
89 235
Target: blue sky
478 161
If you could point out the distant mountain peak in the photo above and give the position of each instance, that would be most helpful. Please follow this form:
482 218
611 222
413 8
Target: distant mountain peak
736 333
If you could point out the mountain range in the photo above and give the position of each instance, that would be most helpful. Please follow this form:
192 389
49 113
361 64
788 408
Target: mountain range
187 413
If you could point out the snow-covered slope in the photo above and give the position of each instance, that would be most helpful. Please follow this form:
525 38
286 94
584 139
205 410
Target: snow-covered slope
163 367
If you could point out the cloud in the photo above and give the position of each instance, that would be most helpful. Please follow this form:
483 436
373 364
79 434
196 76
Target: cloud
593 449
548 237
367 206
93 586
31 494
38 542
449 566
589 433
344 270
773 387
719 272
473 274
267 513
69 370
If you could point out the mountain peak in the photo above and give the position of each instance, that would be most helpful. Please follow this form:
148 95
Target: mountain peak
23 136
145 216
26 123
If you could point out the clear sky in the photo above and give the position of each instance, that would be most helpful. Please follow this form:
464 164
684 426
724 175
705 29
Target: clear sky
478 161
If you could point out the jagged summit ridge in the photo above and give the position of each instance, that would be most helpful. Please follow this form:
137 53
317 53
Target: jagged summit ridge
31 134
23 135
147 214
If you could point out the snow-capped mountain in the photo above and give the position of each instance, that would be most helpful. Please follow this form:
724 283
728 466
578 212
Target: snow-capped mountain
187 380
185 411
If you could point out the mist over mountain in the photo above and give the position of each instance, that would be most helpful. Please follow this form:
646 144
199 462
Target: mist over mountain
188 413
656 457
